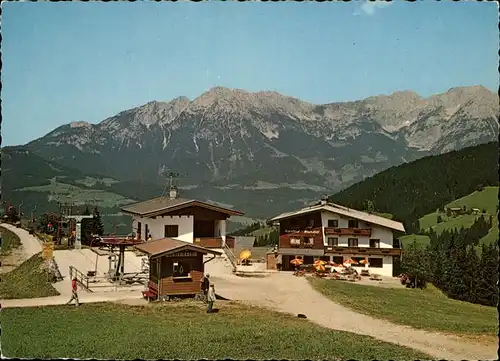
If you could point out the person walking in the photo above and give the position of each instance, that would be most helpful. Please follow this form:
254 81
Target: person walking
150 238
211 298
205 285
74 292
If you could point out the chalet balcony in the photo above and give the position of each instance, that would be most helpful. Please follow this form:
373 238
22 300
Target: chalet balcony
314 241
368 251
334 231
213 242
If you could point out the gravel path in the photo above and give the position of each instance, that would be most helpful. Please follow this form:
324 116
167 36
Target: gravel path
285 293
30 244
82 296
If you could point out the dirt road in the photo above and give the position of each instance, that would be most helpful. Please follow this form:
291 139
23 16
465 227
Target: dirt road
30 244
82 296
285 293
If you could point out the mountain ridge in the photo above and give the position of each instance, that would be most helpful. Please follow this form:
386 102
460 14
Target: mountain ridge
235 140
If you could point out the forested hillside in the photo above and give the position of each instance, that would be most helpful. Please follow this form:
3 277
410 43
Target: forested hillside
412 190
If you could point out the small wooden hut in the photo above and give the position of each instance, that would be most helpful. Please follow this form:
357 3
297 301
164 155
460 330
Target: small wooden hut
175 267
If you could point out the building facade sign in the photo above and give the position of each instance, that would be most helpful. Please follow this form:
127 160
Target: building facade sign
184 254
303 232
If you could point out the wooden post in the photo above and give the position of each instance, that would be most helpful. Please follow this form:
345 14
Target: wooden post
158 261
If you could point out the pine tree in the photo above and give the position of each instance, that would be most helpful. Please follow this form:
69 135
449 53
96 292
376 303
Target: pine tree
97 226
471 273
415 264
487 288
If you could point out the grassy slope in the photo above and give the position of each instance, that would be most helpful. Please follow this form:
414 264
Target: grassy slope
29 280
9 241
487 199
410 238
426 309
180 331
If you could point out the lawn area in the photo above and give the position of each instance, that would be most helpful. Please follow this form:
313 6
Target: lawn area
466 221
426 309
10 240
29 280
487 199
409 239
180 331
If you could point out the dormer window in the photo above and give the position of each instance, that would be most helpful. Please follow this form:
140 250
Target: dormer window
333 223
353 223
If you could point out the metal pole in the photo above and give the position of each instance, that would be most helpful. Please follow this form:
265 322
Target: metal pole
20 210
32 212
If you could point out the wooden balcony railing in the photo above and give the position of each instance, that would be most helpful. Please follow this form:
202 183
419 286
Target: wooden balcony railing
301 245
334 231
213 242
364 251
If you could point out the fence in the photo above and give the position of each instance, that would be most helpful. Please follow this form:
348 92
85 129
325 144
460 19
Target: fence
81 278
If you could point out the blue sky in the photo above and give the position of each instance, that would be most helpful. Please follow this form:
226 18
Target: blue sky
65 62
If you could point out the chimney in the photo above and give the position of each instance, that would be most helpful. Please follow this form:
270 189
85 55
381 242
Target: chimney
324 200
173 193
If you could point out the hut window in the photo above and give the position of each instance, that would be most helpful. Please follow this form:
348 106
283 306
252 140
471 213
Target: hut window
333 223
375 262
172 231
353 223
352 242
333 241
181 269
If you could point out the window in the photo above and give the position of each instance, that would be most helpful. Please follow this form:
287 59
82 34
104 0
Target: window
352 242
338 259
358 259
146 231
311 223
139 229
395 243
181 269
375 262
374 243
353 223
334 223
171 231
333 241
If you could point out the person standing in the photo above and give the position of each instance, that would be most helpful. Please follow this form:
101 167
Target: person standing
205 285
211 298
74 292
150 238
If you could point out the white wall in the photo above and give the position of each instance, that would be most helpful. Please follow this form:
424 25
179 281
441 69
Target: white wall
220 229
157 226
384 234
386 270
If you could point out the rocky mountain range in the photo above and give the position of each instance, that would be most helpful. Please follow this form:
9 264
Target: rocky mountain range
232 140
237 137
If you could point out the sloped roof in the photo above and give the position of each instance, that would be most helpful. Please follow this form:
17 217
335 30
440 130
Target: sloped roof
165 245
167 204
348 212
